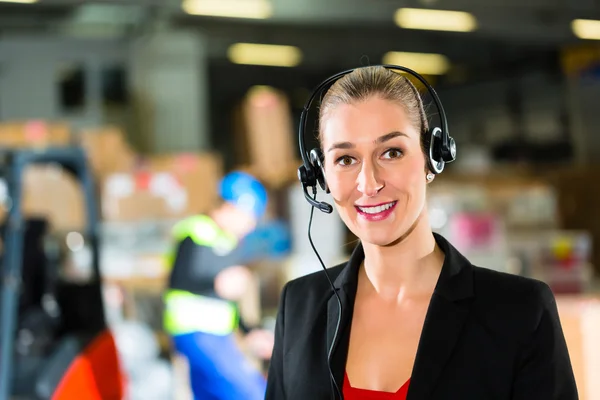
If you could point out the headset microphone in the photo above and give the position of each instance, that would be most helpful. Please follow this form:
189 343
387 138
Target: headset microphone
321 205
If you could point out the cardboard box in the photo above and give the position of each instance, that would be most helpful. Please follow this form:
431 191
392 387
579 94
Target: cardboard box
108 151
35 133
198 173
268 134
52 193
169 186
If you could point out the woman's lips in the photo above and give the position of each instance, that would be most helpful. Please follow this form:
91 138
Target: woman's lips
377 212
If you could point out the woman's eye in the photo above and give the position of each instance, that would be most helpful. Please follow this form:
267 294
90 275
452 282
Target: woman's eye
393 153
345 160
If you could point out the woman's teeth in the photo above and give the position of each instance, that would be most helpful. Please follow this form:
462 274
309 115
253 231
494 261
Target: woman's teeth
376 209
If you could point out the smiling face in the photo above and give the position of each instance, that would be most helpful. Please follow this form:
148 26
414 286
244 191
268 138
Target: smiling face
375 168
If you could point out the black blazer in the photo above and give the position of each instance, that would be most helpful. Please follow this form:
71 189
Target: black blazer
487 335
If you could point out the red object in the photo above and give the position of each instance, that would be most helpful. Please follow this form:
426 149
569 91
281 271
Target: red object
95 374
351 393
142 180
36 131
474 230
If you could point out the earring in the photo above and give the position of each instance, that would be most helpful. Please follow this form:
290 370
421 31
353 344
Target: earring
430 177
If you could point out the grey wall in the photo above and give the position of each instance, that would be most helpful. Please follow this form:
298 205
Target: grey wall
28 76
167 78
170 85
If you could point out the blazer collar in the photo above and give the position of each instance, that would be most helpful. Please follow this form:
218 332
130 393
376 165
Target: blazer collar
446 313
454 283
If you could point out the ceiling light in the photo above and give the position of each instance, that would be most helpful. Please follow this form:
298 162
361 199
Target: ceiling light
264 54
435 20
19 1
586 28
422 63
253 9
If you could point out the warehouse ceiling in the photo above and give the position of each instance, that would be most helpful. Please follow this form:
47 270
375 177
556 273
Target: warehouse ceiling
331 33
540 20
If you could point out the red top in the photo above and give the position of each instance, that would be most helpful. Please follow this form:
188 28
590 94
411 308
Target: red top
351 393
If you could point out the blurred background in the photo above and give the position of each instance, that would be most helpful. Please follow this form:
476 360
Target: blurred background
163 98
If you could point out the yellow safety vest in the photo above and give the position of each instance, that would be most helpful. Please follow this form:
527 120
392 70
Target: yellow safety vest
187 312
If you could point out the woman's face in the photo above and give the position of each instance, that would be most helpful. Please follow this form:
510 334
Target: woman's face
375 169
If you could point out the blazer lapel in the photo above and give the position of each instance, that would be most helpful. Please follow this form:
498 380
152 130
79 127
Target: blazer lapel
337 360
445 318
338 327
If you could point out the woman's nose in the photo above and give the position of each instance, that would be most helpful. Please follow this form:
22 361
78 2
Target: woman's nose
369 182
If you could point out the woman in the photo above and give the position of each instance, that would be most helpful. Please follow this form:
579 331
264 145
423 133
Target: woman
418 321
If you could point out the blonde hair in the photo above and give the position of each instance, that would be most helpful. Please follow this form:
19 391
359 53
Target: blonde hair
364 83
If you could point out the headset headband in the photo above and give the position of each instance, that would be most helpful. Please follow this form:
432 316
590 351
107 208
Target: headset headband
332 79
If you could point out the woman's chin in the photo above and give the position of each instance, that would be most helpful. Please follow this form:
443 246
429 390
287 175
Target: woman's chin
380 238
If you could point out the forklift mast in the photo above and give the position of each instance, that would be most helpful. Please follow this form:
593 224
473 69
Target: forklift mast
13 163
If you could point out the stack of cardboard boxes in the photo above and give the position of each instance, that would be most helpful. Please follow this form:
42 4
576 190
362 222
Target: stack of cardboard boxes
130 187
169 186
141 197
133 191
140 188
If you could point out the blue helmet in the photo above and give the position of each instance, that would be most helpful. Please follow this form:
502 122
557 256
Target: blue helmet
244 191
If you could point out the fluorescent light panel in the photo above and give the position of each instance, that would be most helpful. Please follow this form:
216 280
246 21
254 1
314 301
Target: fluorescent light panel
252 9
264 54
586 28
19 1
422 63
435 20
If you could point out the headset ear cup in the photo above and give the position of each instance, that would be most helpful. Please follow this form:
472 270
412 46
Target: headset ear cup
305 176
316 159
450 152
436 162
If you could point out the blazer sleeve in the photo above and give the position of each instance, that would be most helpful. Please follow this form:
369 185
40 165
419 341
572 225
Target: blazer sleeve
544 369
275 389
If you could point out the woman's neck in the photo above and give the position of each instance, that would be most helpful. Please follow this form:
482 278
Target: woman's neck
406 269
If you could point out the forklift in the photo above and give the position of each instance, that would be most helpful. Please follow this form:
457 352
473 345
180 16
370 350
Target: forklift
54 339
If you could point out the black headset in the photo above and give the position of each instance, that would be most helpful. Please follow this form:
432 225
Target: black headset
442 147
442 150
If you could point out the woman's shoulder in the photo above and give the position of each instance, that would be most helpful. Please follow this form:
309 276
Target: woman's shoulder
304 299
520 298
309 292
314 282
493 283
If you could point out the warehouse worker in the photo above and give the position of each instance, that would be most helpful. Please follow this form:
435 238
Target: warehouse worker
208 276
